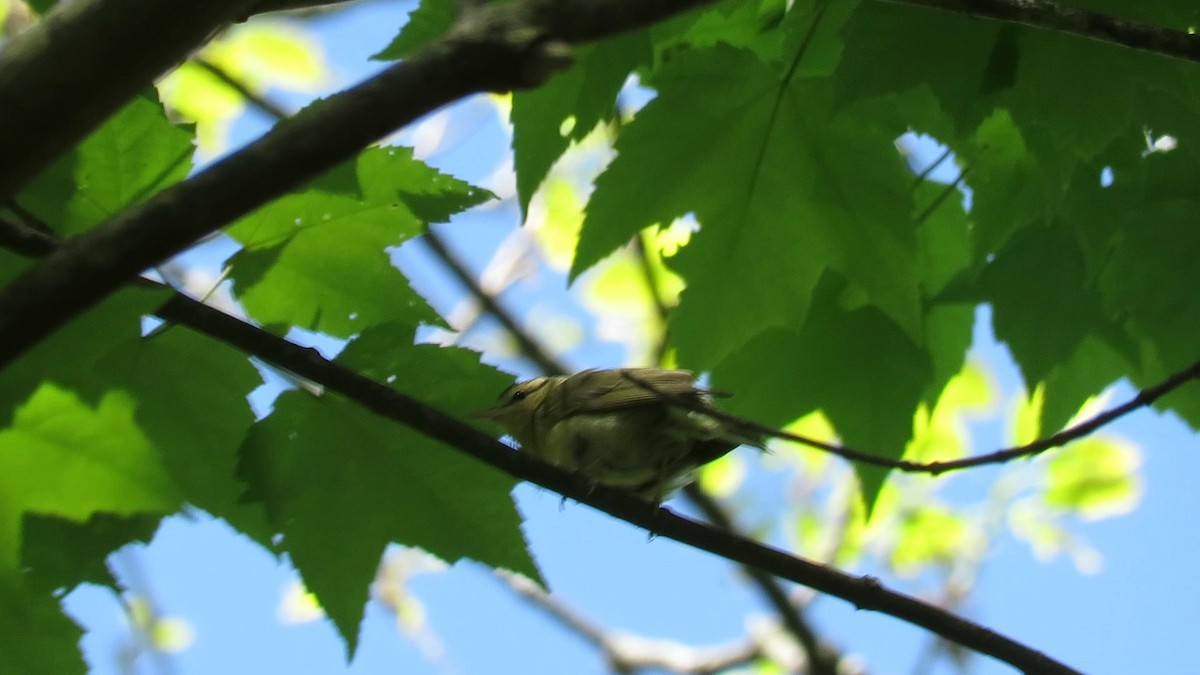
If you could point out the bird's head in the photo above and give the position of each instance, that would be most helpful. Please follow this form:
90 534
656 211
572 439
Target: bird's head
517 408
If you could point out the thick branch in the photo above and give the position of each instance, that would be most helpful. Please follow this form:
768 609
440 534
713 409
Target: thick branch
1076 21
64 76
865 592
530 347
492 48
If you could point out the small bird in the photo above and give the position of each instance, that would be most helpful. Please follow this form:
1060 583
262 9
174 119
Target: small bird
645 430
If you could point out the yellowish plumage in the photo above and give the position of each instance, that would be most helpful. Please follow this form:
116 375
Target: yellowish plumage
640 429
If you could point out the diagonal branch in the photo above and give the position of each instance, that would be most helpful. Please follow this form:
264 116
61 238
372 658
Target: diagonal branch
64 76
822 659
491 48
864 592
528 346
631 653
1075 21
264 6
261 102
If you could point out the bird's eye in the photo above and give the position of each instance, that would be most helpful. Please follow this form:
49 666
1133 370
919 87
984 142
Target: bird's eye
519 395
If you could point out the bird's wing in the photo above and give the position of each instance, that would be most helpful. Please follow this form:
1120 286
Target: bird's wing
621 388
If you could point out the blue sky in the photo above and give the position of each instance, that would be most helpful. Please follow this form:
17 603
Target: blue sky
1137 614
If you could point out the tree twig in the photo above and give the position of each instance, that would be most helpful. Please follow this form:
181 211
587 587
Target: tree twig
1075 21
529 347
495 47
631 653
822 659
940 198
264 6
261 102
1143 398
64 76
864 592
437 246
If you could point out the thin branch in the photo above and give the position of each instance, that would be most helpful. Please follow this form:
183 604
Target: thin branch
1143 398
495 47
941 197
534 351
24 240
261 102
264 6
64 76
642 250
920 178
31 242
822 660
628 652
1075 21
864 592
530 347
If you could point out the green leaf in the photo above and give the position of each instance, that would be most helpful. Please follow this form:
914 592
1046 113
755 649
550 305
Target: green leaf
944 234
1092 367
1027 416
941 434
449 377
41 6
894 48
136 153
60 553
1045 306
812 36
930 535
191 392
855 365
585 94
261 56
1056 78
63 457
389 174
1138 239
948 335
1151 276
1010 188
319 259
38 638
342 482
330 274
69 356
766 170
1094 477
746 25
429 21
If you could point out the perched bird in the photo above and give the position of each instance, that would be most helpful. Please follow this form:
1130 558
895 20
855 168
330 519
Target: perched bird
641 429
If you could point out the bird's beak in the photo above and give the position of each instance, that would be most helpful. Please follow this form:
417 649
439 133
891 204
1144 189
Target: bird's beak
488 414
